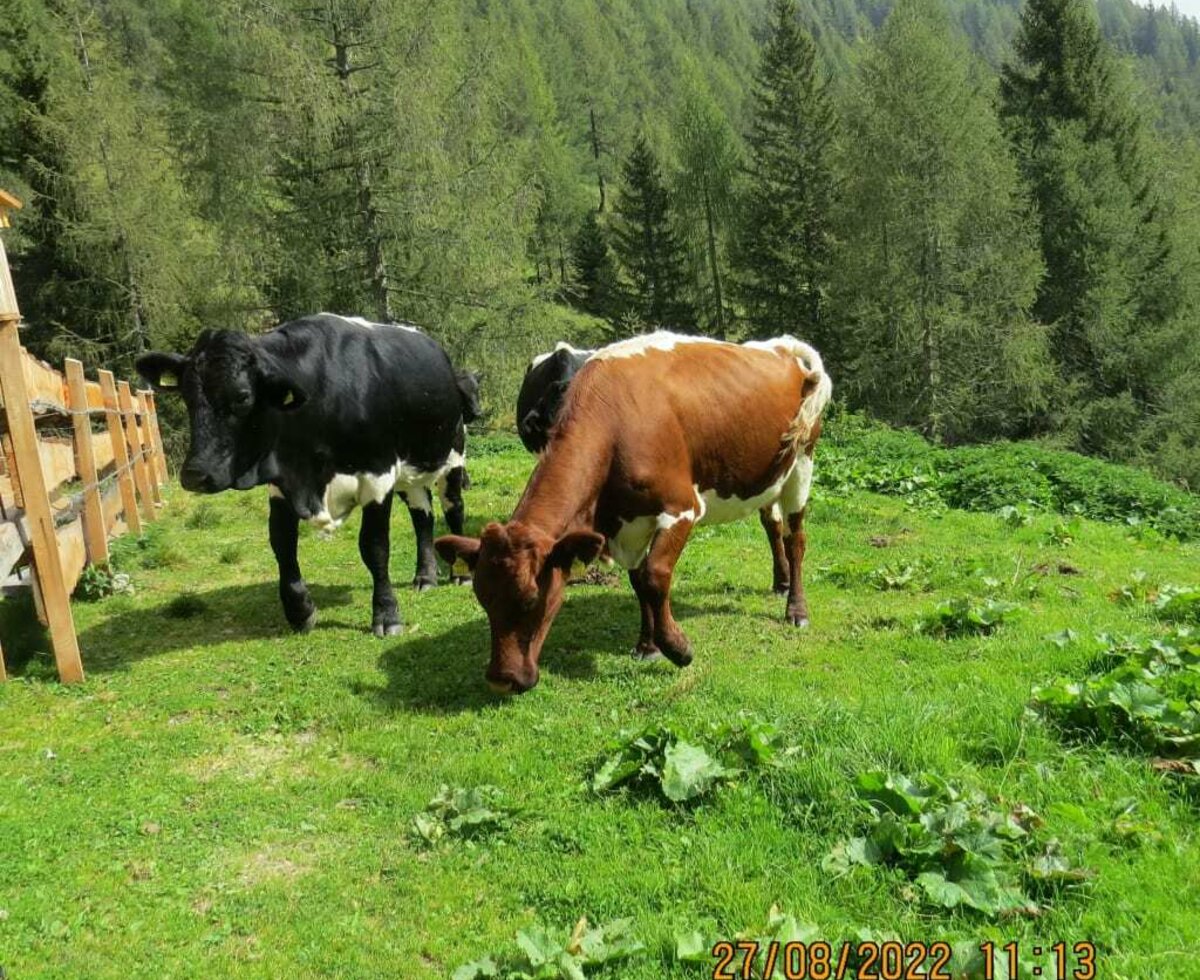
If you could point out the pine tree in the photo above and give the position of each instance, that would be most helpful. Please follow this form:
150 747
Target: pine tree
782 257
596 290
939 264
647 243
705 191
116 258
1112 291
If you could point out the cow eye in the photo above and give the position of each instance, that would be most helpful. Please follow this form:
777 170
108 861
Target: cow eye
241 400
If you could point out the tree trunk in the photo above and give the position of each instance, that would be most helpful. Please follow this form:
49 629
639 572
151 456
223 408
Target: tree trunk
714 266
364 192
931 354
137 310
595 140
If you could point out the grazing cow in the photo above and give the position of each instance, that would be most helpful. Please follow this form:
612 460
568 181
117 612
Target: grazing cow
542 390
330 412
546 381
657 434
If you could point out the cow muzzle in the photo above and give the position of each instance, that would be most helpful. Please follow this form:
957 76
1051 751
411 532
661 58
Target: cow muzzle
508 683
198 479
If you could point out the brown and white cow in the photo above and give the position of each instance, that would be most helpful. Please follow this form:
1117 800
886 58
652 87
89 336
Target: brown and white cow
657 434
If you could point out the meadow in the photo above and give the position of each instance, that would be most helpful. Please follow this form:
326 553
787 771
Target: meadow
226 797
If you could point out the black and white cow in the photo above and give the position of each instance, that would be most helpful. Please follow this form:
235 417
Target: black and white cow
546 381
330 412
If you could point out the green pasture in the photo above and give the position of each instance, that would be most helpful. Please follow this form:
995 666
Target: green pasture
224 798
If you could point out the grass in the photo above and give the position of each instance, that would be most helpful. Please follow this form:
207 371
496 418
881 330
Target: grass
223 792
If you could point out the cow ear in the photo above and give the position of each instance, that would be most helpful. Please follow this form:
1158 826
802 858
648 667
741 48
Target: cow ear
161 371
582 546
454 548
279 391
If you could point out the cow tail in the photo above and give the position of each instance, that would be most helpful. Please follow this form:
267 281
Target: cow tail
818 396
817 391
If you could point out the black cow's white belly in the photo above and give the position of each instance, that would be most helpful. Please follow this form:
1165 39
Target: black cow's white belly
349 490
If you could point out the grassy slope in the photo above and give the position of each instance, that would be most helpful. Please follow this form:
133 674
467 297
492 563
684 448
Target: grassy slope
223 793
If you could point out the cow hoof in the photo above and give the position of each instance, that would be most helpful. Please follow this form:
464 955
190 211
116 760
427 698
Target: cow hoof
460 579
307 624
647 653
382 630
799 620
780 589
423 585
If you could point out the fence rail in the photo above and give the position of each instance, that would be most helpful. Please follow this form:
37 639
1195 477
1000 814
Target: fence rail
82 462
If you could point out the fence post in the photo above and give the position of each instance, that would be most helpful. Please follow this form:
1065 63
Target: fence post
147 444
95 535
46 559
160 455
112 414
125 400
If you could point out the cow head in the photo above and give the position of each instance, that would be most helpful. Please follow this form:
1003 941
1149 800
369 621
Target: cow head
235 393
519 574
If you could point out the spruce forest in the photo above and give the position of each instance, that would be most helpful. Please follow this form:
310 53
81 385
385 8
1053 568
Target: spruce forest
985 214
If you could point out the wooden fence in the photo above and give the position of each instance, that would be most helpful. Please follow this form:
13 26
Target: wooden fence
82 462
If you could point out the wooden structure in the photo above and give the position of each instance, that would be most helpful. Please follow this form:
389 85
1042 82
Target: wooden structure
67 486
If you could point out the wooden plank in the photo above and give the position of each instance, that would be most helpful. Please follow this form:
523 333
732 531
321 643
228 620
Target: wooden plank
48 566
141 476
160 454
111 504
147 443
44 384
73 549
12 548
116 431
95 397
58 462
102 451
12 489
95 535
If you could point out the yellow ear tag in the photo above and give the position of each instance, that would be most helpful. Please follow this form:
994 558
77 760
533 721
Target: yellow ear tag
460 567
290 397
168 380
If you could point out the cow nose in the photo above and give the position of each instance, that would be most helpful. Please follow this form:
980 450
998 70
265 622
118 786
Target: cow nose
506 683
194 478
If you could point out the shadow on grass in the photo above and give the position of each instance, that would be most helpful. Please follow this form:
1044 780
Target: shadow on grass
439 673
232 614
444 673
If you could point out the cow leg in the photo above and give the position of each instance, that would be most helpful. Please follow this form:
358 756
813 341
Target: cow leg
646 648
283 527
375 548
772 523
657 571
794 501
450 491
420 509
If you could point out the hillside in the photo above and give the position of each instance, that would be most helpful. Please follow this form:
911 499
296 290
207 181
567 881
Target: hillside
222 790
474 167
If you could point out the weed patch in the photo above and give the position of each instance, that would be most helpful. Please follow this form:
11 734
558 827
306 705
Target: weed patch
965 617
467 814
1146 695
959 850
682 768
547 954
98 582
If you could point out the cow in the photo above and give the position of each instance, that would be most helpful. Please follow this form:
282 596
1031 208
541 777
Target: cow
656 435
542 390
330 412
